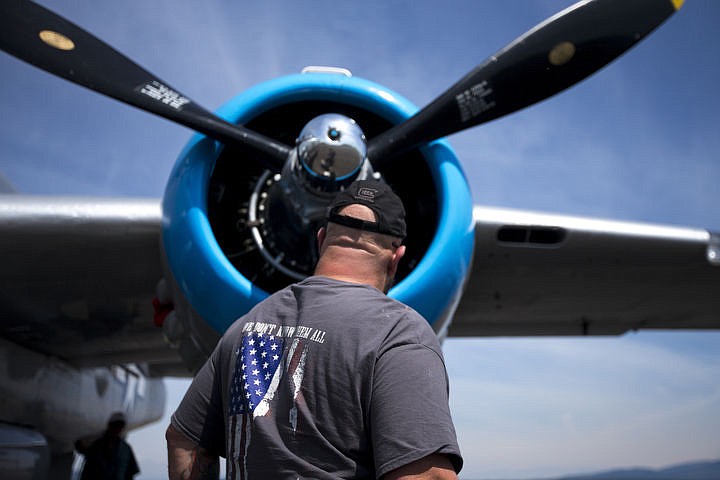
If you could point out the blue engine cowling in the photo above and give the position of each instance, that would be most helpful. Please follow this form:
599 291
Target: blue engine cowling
212 261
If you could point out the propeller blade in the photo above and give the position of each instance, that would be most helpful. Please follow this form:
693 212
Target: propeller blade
44 39
549 58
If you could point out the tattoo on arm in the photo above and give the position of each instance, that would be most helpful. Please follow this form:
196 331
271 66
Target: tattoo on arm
188 461
204 466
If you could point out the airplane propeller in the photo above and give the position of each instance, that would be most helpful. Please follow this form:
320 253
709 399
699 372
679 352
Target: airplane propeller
549 58
52 43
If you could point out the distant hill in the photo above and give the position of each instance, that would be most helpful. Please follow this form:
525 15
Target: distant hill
708 470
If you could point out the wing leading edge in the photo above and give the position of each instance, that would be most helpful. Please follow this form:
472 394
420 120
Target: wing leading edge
78 278
538 274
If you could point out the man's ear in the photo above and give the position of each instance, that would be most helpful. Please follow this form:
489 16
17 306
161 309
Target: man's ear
397 256
321 237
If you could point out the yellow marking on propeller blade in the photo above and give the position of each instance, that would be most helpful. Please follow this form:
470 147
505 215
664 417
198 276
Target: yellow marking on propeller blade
561 53
56 40
677 4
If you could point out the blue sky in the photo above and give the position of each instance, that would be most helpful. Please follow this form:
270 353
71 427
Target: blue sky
638 141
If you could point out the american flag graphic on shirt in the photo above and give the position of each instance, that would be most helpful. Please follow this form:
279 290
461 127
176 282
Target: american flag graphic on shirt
260 363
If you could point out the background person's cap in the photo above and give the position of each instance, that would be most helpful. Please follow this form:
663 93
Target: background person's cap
378 197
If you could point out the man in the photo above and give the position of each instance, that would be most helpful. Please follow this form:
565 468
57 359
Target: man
329 377
109 457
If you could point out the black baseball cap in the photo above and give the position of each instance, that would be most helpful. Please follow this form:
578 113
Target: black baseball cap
379 197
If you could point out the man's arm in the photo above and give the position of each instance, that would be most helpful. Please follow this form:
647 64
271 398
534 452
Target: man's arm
432 467
187 461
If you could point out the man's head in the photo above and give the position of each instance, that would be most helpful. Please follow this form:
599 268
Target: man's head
378 197
116 423
362 242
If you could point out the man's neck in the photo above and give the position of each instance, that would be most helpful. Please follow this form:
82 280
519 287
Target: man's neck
350 270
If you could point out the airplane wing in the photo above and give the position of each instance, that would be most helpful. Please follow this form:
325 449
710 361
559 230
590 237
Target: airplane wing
78 277
538 274
82 272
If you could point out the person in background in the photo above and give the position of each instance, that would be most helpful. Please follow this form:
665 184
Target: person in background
109 457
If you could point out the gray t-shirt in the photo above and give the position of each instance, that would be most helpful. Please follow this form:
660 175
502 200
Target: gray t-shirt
324 379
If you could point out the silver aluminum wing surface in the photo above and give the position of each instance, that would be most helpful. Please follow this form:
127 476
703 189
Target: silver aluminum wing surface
78 277
539 274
